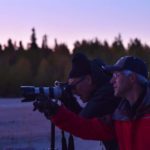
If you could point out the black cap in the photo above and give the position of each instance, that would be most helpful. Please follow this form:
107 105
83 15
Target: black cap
131 63
80 66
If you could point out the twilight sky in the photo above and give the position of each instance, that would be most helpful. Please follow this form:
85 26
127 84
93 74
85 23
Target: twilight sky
71 20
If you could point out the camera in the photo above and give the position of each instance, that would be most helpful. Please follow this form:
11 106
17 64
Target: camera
31 92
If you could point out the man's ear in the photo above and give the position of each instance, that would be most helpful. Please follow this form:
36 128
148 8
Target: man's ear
133 77
89 79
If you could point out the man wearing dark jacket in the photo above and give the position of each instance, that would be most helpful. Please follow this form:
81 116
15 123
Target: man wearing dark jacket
91 83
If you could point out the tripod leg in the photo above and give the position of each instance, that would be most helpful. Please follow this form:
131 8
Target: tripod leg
64 142
52 136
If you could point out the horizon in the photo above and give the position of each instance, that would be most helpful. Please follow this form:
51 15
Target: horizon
25 45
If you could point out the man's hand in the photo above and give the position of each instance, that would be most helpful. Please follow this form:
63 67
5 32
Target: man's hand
46 106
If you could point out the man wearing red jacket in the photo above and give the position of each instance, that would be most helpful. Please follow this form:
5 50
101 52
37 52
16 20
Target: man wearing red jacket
131 120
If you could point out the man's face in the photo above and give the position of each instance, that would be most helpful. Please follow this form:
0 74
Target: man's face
82 88
121 84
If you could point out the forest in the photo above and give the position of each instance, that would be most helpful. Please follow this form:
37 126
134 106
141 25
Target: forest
42 66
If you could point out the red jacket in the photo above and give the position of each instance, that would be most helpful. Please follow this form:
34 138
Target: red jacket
131 134
134 135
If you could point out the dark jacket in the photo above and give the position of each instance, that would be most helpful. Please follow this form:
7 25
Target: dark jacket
101 105
102 102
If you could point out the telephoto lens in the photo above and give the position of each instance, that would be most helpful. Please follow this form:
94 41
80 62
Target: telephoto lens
30 93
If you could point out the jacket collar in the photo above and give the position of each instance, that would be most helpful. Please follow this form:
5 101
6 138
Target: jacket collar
141 107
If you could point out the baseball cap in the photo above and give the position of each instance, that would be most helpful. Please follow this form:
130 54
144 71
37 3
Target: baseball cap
131 63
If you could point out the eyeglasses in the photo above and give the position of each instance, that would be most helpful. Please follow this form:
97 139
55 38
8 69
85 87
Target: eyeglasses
116 75
73 86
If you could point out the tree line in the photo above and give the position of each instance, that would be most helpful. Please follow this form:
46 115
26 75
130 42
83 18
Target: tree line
41 66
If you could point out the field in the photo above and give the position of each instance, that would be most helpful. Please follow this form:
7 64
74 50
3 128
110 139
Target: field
23 129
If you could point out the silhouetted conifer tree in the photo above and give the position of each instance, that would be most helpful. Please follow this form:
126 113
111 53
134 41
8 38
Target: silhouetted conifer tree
135 47
61 49
21 47
1 48
77 45
117 47
45 49
10 46
33 45
44 42
118 44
